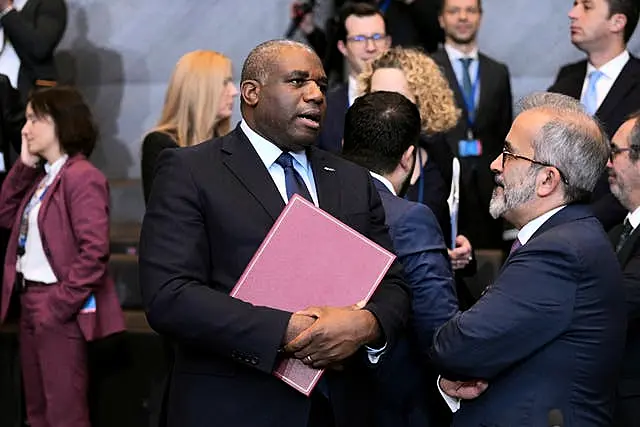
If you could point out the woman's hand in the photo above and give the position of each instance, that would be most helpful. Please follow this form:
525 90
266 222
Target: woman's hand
26 157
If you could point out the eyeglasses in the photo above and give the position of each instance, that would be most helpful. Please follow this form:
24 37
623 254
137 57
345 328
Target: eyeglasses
615 150
506 152
377 39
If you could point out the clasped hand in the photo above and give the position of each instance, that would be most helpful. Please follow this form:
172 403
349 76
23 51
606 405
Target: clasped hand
465 390
334 334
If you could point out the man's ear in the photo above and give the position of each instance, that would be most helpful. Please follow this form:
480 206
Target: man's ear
342 48
548 181
250 92
407 159
617 22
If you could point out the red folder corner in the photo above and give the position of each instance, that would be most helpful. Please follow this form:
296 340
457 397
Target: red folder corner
309 258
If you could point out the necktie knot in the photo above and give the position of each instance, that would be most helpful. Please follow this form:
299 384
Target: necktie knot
590 99
515 246
285 160
594 76
466 62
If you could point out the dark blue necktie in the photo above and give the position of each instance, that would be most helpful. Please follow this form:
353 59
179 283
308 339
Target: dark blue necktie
627 229
292 179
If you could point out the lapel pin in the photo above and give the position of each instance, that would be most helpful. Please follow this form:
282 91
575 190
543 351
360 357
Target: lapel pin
327 168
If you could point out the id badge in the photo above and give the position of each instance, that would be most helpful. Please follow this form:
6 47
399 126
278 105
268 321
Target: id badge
470 148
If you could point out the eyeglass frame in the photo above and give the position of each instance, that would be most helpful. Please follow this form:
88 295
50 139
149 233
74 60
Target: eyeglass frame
614 150
362 39
506 152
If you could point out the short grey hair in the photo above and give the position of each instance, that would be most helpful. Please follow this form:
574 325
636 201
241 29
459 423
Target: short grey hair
572 141
258 64
634 138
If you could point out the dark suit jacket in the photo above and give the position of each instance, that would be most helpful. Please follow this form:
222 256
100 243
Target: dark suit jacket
210 208
152 146
403 380
493 121
74 228
11 123
415 24
330 138
35 32
549 333
629 384
622 100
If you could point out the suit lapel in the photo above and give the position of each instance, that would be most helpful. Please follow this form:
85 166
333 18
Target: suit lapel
243 161
628 248
445 64
575 81
626 81
327 180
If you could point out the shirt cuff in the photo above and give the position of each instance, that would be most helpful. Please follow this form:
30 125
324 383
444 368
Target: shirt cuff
452 402
374 354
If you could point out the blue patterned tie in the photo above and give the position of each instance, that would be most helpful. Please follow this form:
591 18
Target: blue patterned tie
467 86
292 179
590 99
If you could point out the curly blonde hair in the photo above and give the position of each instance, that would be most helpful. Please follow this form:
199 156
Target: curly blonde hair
434 97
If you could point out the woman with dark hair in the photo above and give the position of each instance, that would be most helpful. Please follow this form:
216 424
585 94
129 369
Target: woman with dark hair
56 204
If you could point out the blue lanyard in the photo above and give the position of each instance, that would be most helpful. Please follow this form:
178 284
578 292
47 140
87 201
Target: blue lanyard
384 6
471 103
22 238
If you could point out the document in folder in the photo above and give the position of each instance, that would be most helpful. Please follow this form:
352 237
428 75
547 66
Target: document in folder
309 258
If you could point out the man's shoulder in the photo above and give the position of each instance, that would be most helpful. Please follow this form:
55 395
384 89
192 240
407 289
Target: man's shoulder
573 68
493 63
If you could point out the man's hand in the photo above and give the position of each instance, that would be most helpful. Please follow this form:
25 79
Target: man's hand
336 335
465 390
297 324
5 4
461 255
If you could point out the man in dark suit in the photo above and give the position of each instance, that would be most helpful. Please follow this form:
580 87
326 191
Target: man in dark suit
624 179
607 82
382 130
549 333
361 37
482 90
210 208
32 30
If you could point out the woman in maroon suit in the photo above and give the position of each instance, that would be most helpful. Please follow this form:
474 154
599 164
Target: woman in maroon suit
57 256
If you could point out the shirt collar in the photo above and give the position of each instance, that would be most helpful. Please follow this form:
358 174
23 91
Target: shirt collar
352 89
613 68
53 169
455 54
385 181
268 151
634 218
532 226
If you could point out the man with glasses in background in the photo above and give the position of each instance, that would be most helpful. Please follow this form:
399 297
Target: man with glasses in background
624 180
362 37
549 333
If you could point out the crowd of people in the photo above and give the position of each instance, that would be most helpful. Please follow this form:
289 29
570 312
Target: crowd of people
418 149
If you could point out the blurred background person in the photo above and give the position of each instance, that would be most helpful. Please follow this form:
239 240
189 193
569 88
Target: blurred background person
360 37
482 90
30 32
607 82
57 258
198 106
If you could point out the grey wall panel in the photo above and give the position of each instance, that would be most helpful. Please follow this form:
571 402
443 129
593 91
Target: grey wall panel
121 54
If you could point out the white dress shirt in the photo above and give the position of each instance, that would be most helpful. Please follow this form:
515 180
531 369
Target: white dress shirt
455 56
9 60
634 218
33 264
610 72
524 235
385 181
352 89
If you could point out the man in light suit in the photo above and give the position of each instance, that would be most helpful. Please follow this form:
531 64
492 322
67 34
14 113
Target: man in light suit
382 130
549 333
607 82
482 91
624 179
209 210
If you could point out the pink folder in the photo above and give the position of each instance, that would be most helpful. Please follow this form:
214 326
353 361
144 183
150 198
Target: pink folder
309 258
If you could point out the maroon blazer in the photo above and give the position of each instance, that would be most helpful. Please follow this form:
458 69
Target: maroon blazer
74 228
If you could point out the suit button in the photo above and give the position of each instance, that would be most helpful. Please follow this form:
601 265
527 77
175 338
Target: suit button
255 360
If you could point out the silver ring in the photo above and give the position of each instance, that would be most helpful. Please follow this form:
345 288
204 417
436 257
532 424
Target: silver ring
470 257
308 359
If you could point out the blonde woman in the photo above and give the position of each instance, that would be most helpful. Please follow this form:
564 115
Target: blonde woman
416 76
197 107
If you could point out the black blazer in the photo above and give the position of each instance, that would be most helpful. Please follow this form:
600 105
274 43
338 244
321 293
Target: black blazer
493 121
629 257
209 210
330 138
152 146
35 32
622 100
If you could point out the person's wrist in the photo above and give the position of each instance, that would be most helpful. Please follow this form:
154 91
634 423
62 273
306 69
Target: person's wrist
370 329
